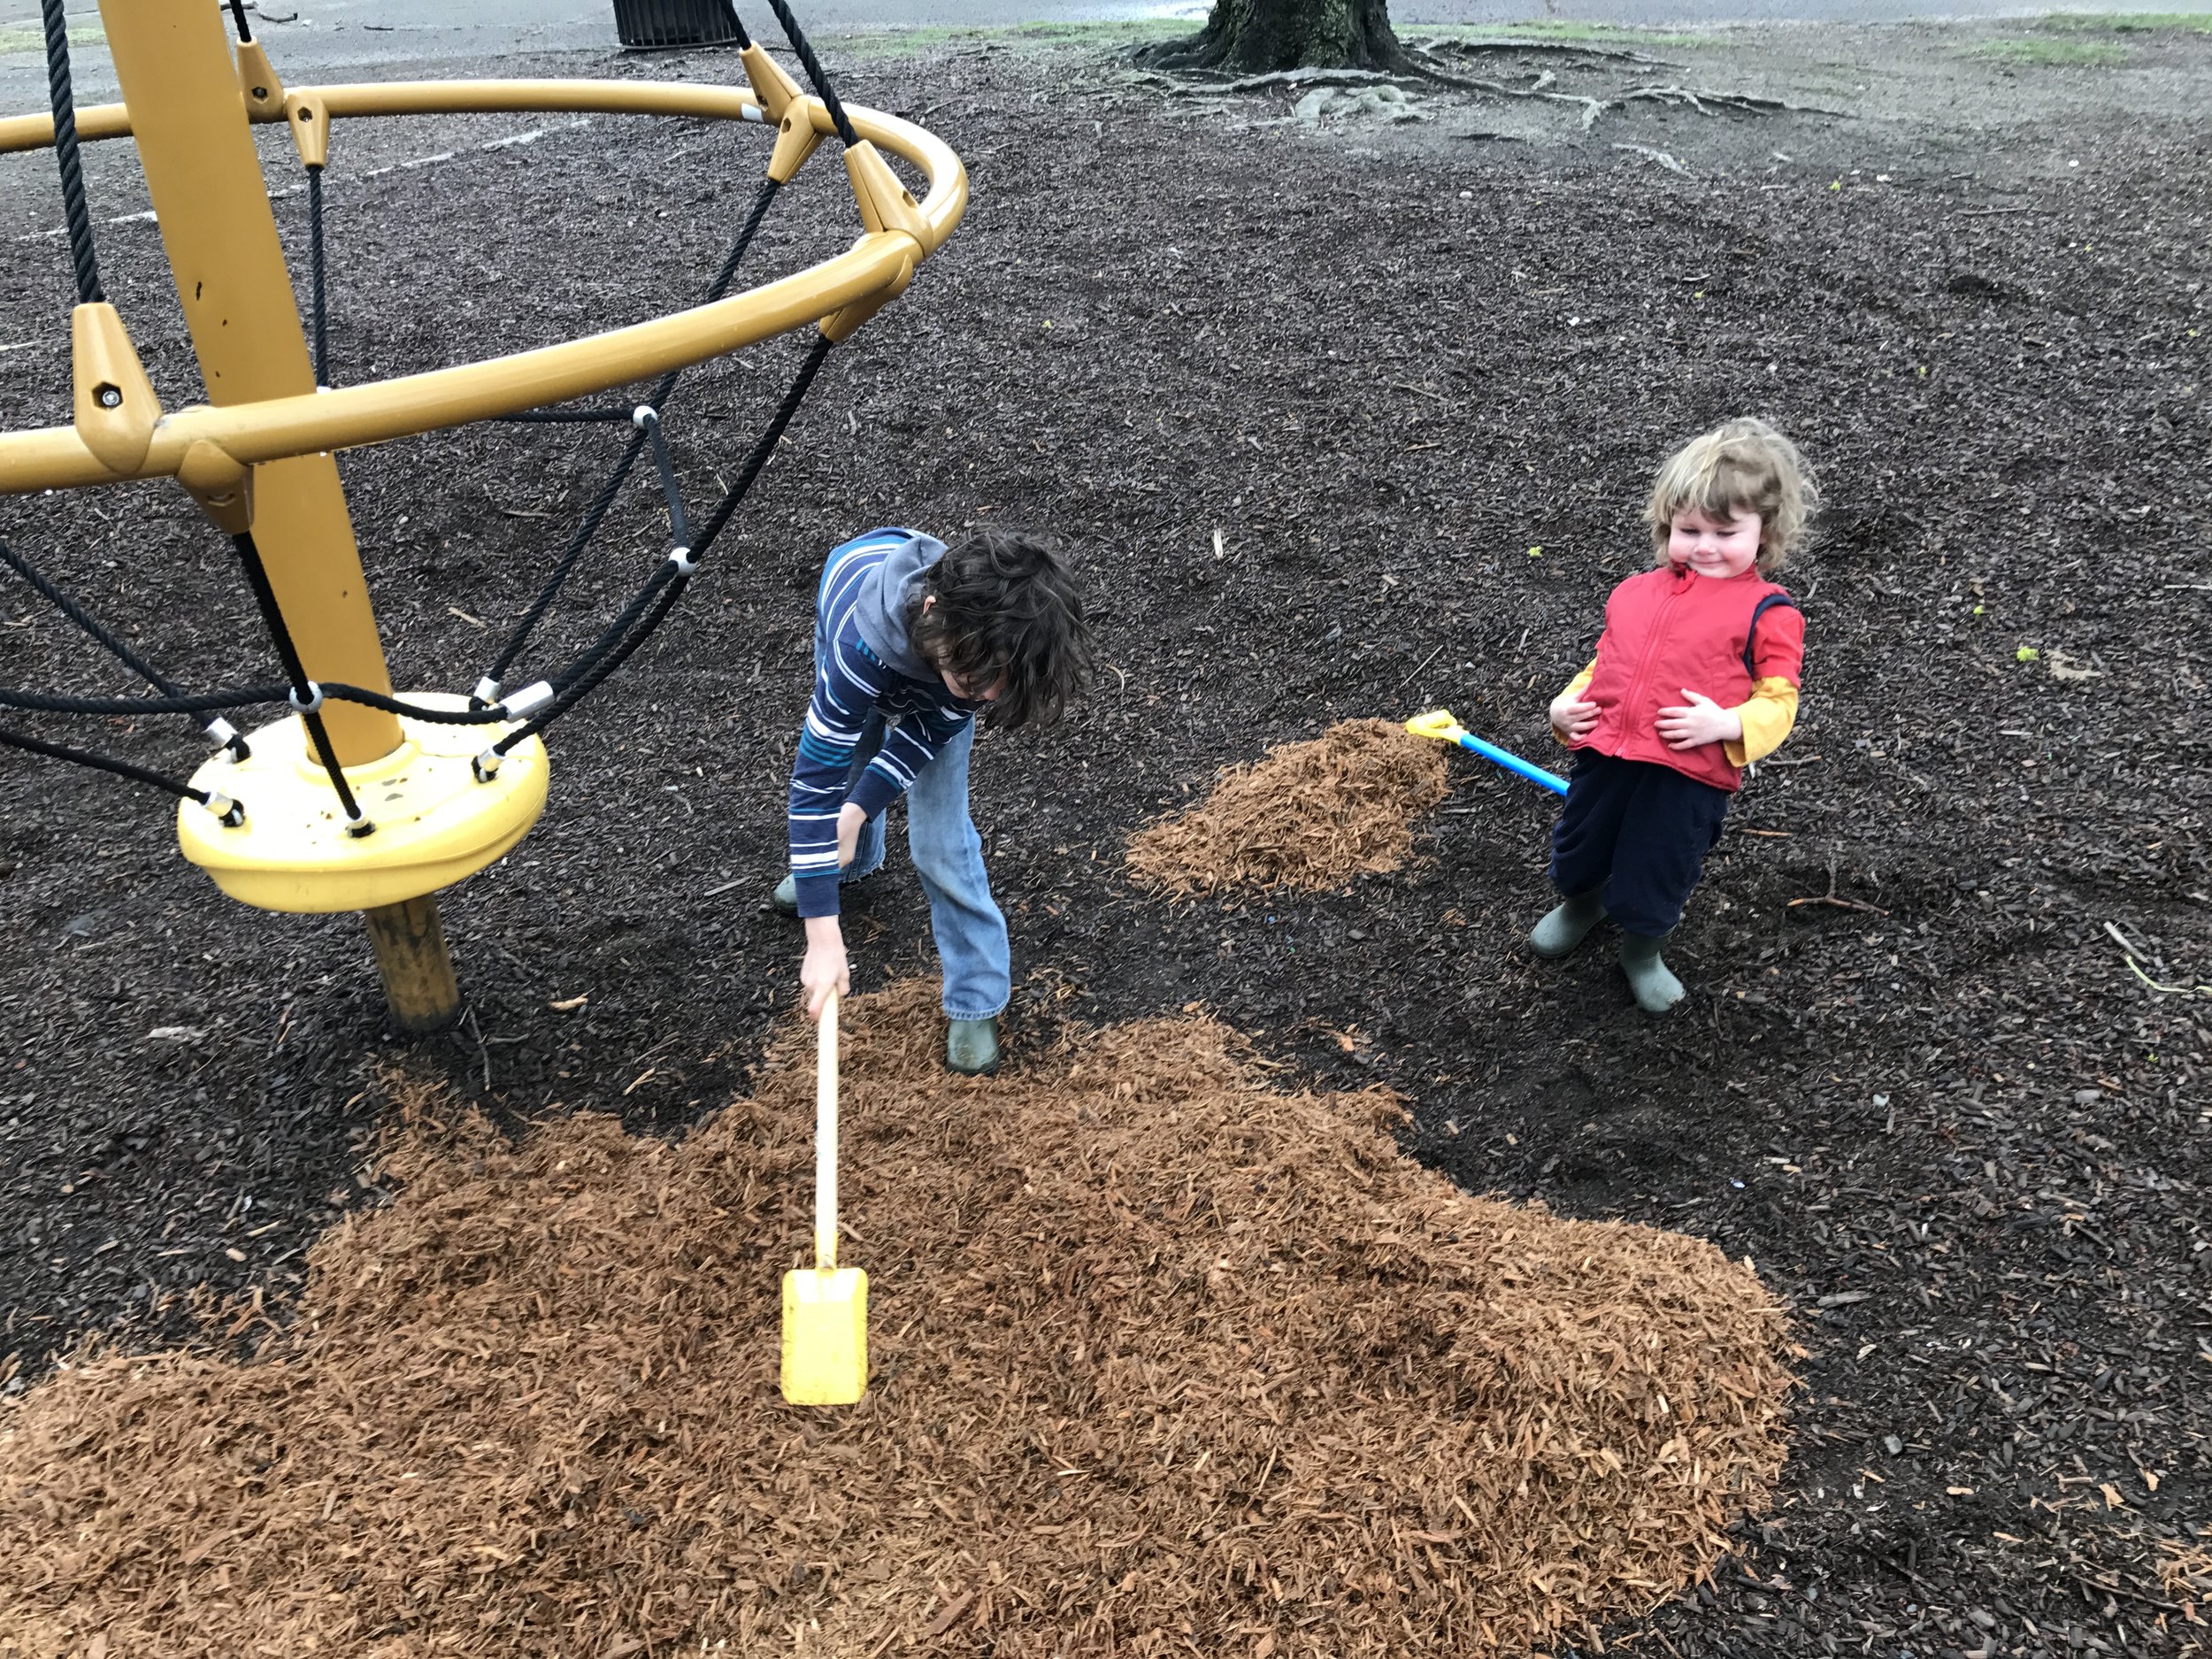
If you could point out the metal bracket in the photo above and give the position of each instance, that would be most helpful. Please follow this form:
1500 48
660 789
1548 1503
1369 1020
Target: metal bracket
884 203
258 79
116 408
796 136
771 86
222 486
840 324
309 118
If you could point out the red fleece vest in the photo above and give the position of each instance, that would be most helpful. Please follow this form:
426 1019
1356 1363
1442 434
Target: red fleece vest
1665 630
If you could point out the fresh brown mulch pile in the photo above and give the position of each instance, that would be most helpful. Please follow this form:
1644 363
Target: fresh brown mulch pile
1165 1361
1310 815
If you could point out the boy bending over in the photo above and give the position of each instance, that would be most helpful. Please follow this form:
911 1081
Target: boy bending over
912 640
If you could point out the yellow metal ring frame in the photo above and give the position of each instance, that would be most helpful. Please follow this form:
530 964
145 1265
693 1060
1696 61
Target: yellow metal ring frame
839 293
435 821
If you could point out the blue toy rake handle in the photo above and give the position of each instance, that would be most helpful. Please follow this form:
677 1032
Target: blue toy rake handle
1550 781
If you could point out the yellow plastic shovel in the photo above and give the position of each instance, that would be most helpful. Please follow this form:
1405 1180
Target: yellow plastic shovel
825 1307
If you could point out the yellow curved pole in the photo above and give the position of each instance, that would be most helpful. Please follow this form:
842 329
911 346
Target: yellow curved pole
947 179
278 428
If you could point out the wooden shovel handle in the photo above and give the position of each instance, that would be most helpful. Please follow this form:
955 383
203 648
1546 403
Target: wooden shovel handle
826 1137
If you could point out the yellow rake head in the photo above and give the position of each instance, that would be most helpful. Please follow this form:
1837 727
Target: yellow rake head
1438 724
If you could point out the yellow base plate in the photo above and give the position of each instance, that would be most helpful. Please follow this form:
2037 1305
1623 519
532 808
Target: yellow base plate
824 1336
434 822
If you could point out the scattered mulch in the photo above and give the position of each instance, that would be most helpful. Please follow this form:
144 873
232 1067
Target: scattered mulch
1162 1356
1311 815
1917 1079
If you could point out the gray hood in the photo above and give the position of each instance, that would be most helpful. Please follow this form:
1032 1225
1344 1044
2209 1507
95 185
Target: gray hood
887 594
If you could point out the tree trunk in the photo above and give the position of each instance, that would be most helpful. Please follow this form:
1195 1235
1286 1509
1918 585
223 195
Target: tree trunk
1260 36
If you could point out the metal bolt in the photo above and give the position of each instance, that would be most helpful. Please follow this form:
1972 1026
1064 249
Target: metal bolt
109 398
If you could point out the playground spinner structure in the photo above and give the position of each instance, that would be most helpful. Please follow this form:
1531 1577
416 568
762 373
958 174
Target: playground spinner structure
358 799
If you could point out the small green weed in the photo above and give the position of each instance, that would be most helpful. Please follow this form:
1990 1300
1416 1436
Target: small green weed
16 38
1108 34
899 42
2127 22
2053 54
1565 29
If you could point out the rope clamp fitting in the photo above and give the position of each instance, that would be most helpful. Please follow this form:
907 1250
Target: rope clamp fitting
359 825
220 732
523 703
486 691
486 765
680 558
314 703
228 812
645 416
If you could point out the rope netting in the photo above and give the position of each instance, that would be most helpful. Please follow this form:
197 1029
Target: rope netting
529 709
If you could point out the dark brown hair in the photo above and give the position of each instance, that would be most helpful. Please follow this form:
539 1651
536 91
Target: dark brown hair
1007 609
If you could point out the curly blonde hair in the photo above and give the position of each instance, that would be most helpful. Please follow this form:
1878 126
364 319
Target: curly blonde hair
1741 465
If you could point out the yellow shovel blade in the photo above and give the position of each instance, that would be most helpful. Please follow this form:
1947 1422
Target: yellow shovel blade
824 1336
1438 724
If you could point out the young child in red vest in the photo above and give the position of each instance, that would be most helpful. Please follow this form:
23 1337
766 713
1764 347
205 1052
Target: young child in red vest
1695 677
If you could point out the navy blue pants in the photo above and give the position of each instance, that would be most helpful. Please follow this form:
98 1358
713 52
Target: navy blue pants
1639 830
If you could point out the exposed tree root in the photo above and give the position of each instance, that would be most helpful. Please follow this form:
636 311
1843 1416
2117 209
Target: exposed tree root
1420 70
1578 48
1659 156
1699 98
1592 108
1310 78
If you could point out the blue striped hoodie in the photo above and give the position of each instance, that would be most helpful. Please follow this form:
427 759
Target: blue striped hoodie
864 663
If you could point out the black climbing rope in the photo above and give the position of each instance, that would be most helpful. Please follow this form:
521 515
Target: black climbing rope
628 631
487 687
219 732
306 697
315 265
183 702
565 417
814 73
769 439
238 11
78 211
515 708
230 812
672 589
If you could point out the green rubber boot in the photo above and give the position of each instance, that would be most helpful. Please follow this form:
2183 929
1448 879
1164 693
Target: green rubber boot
1566 925
1657 990
972 1047
785 897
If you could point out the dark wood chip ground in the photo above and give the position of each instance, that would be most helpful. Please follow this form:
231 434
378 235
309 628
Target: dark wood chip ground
1924 1079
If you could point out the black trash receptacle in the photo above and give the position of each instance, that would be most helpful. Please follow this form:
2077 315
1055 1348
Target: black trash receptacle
646 25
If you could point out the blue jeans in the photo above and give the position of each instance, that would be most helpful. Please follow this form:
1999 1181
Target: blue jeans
947 856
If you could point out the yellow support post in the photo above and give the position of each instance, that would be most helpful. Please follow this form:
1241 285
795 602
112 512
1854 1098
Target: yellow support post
187 113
